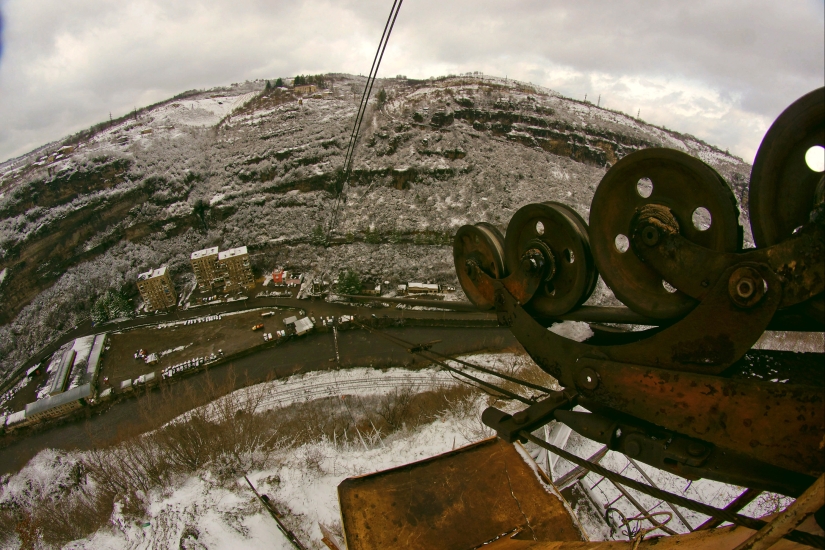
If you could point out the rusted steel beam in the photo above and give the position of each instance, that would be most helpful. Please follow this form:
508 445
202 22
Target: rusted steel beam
809 502
751 523
692 269
747 496
782 320
780 424
579 471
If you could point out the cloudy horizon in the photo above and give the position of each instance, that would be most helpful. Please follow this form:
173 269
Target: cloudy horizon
719 71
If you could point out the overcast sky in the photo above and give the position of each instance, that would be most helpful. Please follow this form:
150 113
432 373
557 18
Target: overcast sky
721 70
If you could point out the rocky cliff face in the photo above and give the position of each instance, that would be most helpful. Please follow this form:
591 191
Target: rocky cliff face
244 165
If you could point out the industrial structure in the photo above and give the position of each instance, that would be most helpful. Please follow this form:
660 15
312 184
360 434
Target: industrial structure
156 289
689 395
74 383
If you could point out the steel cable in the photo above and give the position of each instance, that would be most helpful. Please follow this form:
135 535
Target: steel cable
362 108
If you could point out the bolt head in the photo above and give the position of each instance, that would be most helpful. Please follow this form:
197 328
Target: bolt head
696 449
521 418
532 260
587 379
746 287
632 448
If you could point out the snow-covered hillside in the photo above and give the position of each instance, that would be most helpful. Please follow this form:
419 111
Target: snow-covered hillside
89 214
210 506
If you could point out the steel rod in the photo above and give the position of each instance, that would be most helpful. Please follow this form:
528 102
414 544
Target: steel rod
594 314
578 472
672 507
751 523
747 496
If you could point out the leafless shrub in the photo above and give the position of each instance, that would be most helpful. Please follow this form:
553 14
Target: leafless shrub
395 405
313 457
226 438
73 516
54 520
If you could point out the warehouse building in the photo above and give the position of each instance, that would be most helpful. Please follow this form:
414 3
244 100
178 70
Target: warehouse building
206 269
64 369
156 289
58 405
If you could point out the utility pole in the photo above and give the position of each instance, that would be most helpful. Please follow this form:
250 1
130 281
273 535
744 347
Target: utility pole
599 102
638 113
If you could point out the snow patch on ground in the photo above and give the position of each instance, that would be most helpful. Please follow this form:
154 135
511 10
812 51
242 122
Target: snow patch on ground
200 512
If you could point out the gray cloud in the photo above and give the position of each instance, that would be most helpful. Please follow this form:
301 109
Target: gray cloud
719 70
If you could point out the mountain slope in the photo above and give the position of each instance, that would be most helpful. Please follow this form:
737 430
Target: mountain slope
90 213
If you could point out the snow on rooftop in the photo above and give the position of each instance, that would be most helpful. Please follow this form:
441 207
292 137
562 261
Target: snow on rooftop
205 252
152 273
232 252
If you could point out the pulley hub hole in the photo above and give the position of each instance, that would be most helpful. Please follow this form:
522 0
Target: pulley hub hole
745 288
668 287
815 158
701 218
622 243
569 257
650 235
644 187
539 228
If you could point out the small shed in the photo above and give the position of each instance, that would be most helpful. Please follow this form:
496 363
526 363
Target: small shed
302 326
290 320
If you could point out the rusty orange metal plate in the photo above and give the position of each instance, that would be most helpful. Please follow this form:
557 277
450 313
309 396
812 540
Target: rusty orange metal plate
457 500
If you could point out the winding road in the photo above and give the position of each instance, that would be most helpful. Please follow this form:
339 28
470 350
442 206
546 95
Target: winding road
357 348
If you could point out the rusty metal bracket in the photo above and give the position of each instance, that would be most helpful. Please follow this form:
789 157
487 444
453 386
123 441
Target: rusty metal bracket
684 456
521 284
532 418
799 261
688 346
780 424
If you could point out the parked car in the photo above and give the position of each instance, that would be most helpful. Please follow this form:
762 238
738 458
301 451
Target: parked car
258 326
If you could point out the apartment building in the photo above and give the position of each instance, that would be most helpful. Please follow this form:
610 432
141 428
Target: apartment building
205 266
156 289
236 269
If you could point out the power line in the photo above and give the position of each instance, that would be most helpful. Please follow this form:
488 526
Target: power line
362 108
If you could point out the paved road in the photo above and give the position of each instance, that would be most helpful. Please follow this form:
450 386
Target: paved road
357 348
320 307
